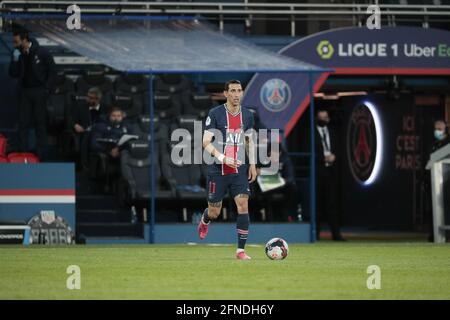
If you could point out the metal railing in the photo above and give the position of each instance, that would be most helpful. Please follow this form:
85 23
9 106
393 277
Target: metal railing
247 12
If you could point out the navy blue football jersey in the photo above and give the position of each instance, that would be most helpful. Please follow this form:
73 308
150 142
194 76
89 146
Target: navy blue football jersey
229 135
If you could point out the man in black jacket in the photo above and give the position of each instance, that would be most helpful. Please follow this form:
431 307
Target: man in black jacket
33 66
441 135
327 170
83 117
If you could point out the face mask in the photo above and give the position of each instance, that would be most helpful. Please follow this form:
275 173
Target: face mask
322 123
439 134
116 123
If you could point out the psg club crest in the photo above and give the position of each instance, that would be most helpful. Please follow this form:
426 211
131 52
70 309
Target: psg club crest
275 95
361 143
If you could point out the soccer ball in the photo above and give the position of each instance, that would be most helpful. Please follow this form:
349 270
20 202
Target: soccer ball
277 249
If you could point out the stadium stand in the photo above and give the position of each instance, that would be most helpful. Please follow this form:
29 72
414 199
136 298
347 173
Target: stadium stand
178 101
24 157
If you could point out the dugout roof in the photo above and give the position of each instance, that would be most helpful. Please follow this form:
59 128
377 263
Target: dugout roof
159 45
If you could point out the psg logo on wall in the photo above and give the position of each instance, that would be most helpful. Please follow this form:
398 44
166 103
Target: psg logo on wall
275 95
364 143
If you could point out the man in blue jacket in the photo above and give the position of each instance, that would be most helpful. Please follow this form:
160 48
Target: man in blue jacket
113 129
33 66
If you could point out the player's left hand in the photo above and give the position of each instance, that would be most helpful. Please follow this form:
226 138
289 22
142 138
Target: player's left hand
252 173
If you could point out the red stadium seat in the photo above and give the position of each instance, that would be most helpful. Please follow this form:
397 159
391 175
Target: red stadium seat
23 158
3 143
3 159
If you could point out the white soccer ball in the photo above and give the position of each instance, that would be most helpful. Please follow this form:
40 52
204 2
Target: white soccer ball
277 249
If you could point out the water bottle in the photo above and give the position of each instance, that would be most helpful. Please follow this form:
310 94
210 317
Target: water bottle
134 218
196 216
299 213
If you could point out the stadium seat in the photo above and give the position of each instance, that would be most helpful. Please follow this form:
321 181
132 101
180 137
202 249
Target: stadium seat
199 106
131 84
3 144
171 84
3 159
187 176
63 85
142 129
134 185
22 158
91 79
166 107
58 103
130 104
134 87
172 94
58 107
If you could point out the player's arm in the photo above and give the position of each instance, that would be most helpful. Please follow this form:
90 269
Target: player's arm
250 149
208 146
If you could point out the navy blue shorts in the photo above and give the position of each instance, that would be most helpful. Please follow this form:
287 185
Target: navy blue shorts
218 186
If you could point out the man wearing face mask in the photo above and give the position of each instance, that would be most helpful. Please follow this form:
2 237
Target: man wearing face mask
105 136
113 130
33 66
441 139
441 135
326 175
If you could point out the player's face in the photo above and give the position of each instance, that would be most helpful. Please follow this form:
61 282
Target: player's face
18 42
439 126
92 99
323 117
234 94
116 117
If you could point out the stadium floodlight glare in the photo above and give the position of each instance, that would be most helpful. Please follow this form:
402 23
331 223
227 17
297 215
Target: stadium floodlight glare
379 151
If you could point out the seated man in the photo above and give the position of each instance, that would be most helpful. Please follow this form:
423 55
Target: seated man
106 135
280 158
84 117
105 143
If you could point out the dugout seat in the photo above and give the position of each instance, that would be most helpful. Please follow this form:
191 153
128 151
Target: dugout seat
134 186
131 105
63 85
58 108
171 84
24 157
186 174
131 84
58 103
166 107
135 88
172 92
93 78
199 106
142 129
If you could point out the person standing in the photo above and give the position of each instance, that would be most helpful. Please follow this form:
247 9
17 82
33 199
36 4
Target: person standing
441 139
34 68
327 175
441 135
229 125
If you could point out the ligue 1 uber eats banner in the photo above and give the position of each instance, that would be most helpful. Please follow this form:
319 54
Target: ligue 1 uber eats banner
282 98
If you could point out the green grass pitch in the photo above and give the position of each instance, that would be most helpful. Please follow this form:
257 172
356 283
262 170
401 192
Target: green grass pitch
317 271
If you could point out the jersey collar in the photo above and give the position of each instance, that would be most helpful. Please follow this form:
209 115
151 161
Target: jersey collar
233 114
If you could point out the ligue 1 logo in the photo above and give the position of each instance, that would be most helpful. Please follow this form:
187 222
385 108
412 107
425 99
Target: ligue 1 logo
361 143
275 95
325 49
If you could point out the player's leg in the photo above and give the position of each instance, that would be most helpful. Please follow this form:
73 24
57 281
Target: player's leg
240 192
216 192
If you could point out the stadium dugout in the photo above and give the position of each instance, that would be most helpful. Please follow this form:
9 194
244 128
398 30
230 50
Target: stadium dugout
154 45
